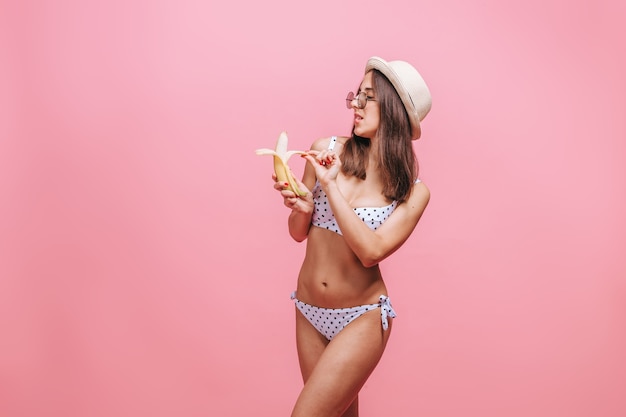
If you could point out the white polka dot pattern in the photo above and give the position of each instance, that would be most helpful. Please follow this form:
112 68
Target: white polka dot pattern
324 217
330 321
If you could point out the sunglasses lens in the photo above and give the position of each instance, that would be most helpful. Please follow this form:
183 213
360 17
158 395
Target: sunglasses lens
361 100
349 99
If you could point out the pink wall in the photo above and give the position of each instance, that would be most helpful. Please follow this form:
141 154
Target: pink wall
145 267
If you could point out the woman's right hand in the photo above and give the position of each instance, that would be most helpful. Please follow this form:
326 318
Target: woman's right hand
295 202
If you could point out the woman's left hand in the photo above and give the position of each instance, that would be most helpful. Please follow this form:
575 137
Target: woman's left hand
326 164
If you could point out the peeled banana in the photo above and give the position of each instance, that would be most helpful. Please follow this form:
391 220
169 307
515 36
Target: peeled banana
281 169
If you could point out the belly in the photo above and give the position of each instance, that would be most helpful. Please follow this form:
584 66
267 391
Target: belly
333 277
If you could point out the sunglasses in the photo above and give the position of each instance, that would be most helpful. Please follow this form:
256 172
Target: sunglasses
361 99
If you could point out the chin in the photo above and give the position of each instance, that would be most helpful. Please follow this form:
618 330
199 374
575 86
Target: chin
361 133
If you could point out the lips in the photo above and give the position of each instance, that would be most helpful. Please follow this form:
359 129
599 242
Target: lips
357 118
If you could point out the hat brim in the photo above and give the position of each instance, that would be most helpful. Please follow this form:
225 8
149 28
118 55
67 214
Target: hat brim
383 66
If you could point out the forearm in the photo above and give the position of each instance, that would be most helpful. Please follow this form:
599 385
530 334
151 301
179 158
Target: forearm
363 241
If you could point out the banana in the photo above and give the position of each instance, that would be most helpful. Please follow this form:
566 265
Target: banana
281 169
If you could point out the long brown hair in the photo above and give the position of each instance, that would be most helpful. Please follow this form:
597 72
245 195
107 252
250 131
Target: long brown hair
398 163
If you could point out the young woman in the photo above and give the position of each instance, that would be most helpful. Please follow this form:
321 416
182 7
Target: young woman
363 201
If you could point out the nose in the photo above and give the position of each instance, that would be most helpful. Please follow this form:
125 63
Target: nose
350 100
354 103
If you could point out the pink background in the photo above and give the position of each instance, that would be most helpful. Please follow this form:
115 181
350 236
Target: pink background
144 259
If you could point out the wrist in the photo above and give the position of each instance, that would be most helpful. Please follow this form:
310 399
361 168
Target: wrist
329 186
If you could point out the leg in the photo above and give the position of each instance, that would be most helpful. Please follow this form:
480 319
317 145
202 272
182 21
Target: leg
311 344
334 375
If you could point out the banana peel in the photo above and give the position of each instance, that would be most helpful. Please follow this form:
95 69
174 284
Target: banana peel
281 169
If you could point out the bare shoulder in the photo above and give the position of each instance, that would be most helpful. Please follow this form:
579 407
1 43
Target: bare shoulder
323 143
420 195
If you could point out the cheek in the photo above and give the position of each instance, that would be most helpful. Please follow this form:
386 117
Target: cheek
373 119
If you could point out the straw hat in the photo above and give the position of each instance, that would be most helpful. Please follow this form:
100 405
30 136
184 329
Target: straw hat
410 87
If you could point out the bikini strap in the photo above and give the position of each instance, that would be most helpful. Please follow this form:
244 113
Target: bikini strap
331 145
386 310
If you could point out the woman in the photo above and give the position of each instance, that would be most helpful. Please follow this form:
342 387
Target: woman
363 201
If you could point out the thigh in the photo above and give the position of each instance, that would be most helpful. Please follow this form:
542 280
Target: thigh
310 344
342 368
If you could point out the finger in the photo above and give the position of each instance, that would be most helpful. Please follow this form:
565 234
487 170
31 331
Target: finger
287 194
321 158
280 185
318 155
291 202
310 159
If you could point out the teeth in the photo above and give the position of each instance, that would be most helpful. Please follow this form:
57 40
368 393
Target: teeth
281 156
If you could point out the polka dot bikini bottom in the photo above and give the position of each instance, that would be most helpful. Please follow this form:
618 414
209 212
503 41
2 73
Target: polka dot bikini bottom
330 321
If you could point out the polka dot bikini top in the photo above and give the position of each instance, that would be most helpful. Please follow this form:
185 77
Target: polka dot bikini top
323 216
